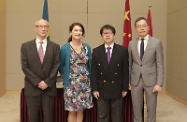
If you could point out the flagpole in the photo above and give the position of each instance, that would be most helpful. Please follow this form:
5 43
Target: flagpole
149 19
87 15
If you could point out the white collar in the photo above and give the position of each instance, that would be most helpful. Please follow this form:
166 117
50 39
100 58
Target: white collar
145 38
44 41
112 45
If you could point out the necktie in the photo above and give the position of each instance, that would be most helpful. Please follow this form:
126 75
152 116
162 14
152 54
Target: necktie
41 52
108 54
141 49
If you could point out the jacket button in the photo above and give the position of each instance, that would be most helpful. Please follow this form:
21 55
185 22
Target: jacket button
141 65
112 81
116 73
104 81
101 73
99 64
118 65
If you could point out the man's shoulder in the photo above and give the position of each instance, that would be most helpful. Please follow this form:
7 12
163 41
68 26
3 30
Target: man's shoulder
154 39
28 42
98 47
119 47
53 43
133 41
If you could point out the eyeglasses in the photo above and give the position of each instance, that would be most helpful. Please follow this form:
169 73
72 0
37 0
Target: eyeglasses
141 26
42 26
107 33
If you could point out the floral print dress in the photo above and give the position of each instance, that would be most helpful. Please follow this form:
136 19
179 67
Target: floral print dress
78 95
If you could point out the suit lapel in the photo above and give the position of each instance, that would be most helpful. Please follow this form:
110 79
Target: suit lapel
147 48
103 55
113 60
114 56
48 48
34 50
136 51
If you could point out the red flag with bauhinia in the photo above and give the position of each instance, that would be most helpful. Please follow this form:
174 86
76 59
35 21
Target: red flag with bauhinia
127 32
150 23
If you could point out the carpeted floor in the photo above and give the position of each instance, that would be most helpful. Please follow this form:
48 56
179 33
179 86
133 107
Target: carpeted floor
168 110
10 108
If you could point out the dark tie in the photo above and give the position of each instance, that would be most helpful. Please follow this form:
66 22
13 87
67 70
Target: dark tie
141 49
41 52
108 54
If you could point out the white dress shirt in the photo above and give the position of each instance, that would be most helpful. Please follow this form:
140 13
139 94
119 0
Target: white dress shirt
112 45
44 45
145 43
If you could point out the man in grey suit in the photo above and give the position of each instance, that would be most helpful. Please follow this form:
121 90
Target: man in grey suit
40 62
146 68
109 76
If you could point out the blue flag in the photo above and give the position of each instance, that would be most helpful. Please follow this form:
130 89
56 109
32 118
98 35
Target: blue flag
45 15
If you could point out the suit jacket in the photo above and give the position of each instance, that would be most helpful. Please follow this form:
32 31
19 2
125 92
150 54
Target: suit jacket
110 79
151 67
35 71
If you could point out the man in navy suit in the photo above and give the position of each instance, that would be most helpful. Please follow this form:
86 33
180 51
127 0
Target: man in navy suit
110 76
40 62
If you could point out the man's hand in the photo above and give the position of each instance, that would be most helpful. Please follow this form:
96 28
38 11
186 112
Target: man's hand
124 93
157 88
129 86
96 94
42 85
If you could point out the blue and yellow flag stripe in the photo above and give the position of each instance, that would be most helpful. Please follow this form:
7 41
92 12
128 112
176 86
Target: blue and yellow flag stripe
45 16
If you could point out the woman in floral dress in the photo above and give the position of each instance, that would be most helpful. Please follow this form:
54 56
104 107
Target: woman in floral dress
75 68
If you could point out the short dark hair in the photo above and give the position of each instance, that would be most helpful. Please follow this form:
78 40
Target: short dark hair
110 27
140 18
72 26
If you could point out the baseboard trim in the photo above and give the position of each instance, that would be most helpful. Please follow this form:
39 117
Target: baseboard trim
176 98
